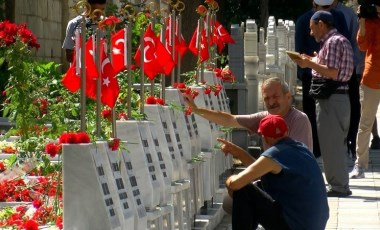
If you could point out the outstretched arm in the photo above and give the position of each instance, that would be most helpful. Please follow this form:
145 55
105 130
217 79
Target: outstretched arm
219 117
237 152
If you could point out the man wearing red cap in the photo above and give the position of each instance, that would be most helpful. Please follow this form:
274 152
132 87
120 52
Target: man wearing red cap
292 195
278 100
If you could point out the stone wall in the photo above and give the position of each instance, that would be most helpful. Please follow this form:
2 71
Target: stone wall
47 19
44 19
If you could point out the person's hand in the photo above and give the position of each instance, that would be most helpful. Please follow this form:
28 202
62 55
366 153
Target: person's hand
190 101
305 60
228 147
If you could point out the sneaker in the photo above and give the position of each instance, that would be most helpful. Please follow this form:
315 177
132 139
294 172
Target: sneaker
333 193
375 143
357 172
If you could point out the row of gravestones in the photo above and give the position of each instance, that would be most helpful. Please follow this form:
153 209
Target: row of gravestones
165 171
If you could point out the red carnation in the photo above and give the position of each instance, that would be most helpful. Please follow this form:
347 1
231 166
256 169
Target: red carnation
107 114
31 225
114 144
201 10
59 222
37 203
188 111
150 100
181 85
122 116
82 137
71 138
2 167
208 90
63 138
160 101
52 149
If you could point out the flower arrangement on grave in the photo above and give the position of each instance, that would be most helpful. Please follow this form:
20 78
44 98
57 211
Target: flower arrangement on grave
39 207
152 100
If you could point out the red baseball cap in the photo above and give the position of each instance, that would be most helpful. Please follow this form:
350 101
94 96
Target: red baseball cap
273 126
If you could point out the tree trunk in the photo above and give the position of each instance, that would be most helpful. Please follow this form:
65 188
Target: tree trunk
264 13
189 24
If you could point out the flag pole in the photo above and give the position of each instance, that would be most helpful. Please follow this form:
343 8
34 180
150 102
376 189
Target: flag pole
83 76
179 6
172 41
153 7
179 35
213 52
128 39
109 54
130 15
82 65
142 80
98 81
209 33
163 80
198 45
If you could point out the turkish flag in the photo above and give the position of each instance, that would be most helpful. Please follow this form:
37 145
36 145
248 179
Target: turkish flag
193 46
109 85
204 55
180 43
156 57
221 36
118 51
72 81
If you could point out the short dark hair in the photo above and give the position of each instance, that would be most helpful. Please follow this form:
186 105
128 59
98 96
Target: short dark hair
324 16
97 1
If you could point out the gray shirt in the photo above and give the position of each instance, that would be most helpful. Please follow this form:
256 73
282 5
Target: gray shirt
298 123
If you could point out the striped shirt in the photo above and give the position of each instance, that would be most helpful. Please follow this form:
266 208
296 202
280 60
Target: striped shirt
336 52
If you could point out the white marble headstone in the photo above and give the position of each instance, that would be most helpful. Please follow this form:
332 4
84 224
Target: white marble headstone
184 124
134 133
87 199
128 175
112 161
155 113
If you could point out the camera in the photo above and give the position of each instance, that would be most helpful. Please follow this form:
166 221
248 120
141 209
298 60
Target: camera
367 8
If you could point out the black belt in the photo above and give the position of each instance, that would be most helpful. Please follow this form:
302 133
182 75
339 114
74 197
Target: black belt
341 91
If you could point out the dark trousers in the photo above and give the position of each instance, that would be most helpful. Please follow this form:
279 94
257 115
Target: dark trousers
308 104
253 206
308 107
354 95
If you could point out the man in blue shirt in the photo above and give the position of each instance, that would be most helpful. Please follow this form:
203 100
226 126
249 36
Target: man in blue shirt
292 194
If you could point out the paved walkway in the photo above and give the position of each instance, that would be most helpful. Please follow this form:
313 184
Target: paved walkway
359 211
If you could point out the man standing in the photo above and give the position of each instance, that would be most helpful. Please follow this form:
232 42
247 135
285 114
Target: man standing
293 194
331 68
305 44
73 24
